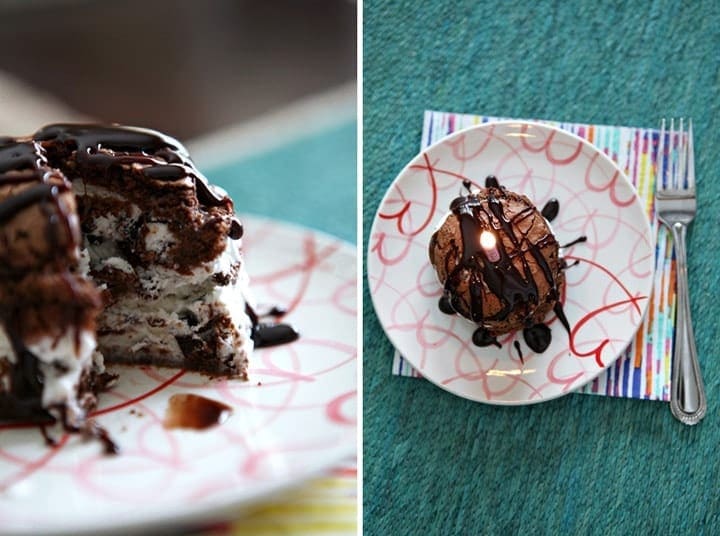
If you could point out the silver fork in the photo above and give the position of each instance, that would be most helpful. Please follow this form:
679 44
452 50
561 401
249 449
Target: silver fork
676 207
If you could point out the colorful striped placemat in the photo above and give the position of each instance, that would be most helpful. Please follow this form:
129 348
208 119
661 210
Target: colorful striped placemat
325 506
644 369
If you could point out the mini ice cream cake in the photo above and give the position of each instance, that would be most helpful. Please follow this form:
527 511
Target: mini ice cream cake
114 249
499 263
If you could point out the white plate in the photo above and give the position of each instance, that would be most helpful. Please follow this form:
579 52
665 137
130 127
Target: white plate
294 418
607 291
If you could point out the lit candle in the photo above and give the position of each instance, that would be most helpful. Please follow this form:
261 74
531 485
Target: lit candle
488 241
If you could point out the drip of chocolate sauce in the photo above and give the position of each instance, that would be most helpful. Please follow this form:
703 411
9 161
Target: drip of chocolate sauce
274 311
266 334
194 412
516 344
537 337
578 240
559 311
551 209
482 337
565 265
445 306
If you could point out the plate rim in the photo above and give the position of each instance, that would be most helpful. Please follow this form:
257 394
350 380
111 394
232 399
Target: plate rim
542 126
223 511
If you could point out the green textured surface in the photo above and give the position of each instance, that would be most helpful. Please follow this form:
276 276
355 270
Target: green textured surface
437 464
310 181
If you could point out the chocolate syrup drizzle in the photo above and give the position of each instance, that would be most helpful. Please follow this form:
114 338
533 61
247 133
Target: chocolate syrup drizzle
20 156
25 162
104 148
516 344
28 197
511 285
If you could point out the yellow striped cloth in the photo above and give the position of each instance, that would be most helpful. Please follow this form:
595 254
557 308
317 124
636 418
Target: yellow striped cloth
326 506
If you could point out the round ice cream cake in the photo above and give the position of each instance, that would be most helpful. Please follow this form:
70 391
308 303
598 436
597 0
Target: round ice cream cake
114 249
498 261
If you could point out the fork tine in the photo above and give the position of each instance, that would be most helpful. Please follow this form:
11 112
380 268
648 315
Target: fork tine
662 172
672 151
682 158
691 158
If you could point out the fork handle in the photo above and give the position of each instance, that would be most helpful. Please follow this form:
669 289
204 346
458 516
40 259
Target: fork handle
687 397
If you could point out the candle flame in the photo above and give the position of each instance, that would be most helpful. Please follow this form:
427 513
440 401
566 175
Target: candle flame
487 240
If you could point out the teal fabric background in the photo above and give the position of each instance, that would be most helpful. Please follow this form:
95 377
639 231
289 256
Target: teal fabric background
438 464
310 181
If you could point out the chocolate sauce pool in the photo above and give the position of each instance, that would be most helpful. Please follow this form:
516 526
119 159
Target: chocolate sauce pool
266 334
194 412
551 209
538 337
501 277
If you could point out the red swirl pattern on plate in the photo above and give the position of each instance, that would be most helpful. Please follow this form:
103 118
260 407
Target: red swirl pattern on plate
606 293
295 416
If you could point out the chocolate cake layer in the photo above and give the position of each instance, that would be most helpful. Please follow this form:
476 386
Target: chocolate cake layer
149 171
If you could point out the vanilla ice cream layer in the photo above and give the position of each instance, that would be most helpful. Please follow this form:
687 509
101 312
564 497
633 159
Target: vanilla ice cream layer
176 305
